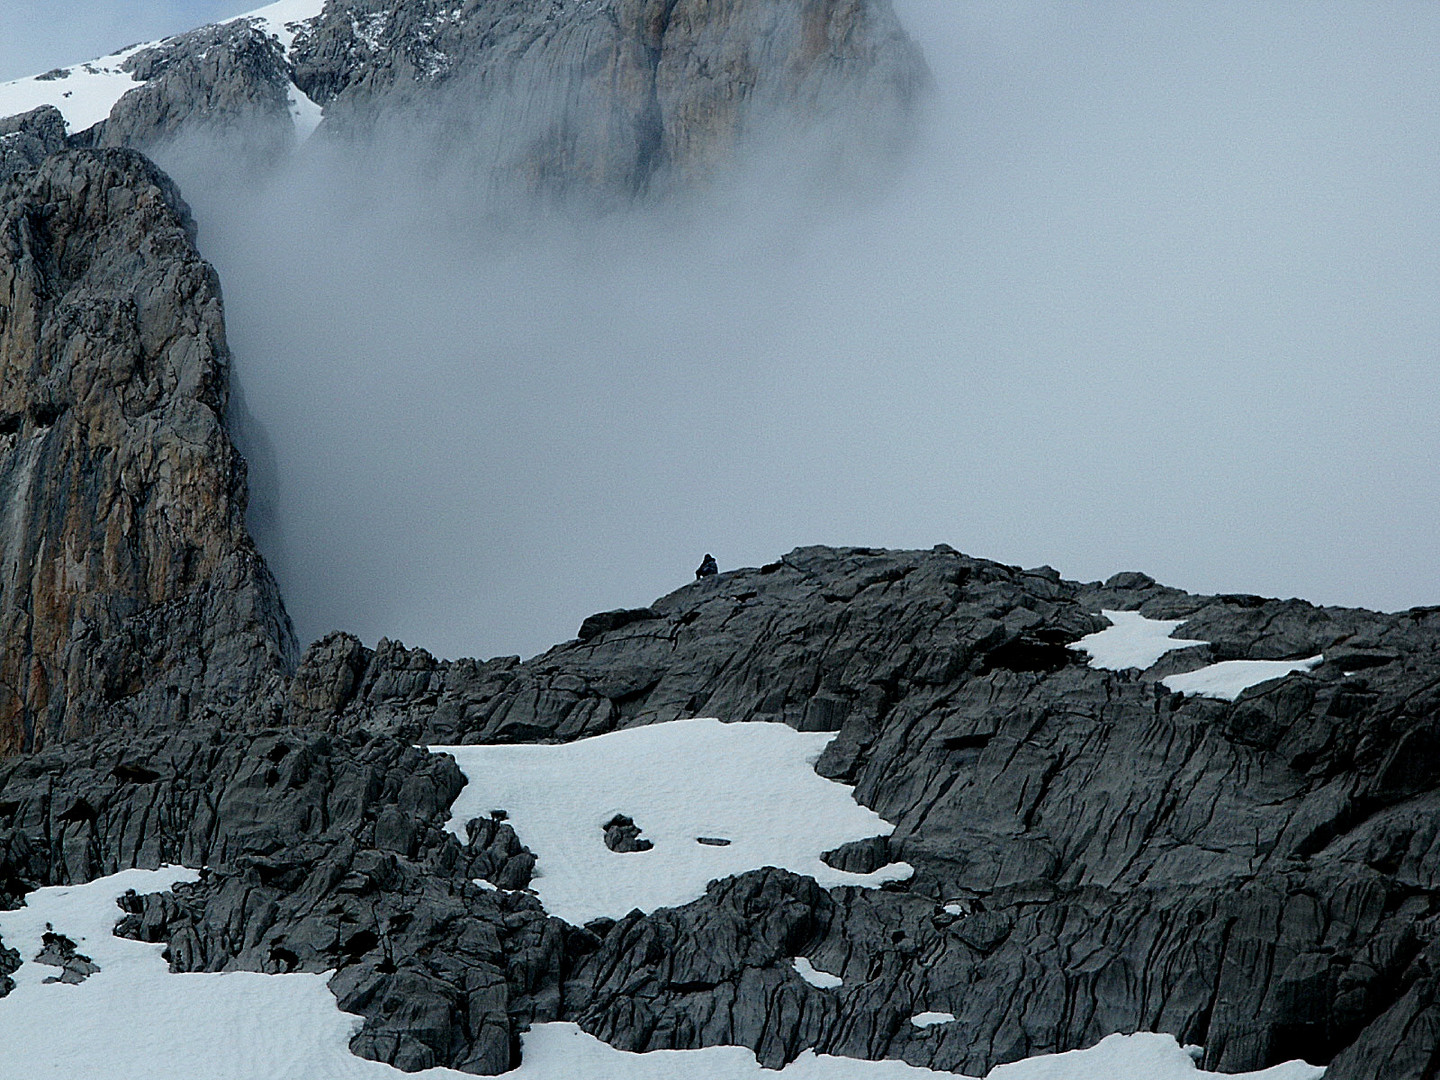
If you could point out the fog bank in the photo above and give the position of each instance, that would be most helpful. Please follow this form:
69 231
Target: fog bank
1157 292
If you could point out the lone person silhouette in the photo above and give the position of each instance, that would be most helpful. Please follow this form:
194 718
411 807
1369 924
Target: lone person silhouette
708 567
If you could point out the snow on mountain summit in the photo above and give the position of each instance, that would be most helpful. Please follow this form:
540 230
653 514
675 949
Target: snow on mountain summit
87 92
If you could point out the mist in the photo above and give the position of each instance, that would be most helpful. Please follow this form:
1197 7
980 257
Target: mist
1156 290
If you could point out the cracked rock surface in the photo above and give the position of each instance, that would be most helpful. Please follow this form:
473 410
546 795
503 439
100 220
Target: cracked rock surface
1258 876
130 592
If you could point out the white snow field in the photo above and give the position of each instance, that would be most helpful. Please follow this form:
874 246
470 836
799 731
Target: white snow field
1228 678
134 1020
1132 641
753 784
86 92
1144 1056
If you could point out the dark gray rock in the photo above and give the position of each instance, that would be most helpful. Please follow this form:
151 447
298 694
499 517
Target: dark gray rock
297 831
28 139
57 950
227 84
595 625
1258 876
623 835
9 964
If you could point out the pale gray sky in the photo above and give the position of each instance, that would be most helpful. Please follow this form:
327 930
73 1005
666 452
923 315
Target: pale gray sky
37 35
1158 293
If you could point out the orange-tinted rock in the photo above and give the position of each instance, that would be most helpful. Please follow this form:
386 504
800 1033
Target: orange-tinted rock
130 591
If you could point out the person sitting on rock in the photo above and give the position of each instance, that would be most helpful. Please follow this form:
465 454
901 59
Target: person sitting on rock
708 567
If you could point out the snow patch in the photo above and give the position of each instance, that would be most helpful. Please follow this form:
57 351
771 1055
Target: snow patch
1225 680
84 93
564 1052
822 980
283 20
135 1020
304 112
1143 1056
751 783
1132 641
931 1019
370 28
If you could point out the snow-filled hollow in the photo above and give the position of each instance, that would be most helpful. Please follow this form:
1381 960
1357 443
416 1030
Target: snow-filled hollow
84 93
821 980
1226 680
283 19
753 784
1132 641
931 1019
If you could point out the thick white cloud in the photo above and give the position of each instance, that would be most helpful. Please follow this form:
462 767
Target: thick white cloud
1156 294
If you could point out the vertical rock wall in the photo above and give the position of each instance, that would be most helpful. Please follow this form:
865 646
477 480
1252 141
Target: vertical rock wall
128 586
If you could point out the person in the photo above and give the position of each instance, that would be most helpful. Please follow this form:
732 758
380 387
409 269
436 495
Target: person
708 567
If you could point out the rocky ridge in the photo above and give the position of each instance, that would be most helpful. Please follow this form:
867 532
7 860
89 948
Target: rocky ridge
1093 852
1258 876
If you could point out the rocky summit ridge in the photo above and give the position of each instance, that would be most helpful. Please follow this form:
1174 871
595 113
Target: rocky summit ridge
1094 851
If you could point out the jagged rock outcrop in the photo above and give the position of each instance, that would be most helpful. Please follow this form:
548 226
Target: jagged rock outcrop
9 964
1261 876
225 84
326 854
28 139
130 592
1093 853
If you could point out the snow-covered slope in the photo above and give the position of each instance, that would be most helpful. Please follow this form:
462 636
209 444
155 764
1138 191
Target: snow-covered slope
86 92
134 1020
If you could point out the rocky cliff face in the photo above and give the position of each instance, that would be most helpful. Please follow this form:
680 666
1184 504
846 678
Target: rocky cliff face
129 590
225 84
28 139
573 97
615 95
